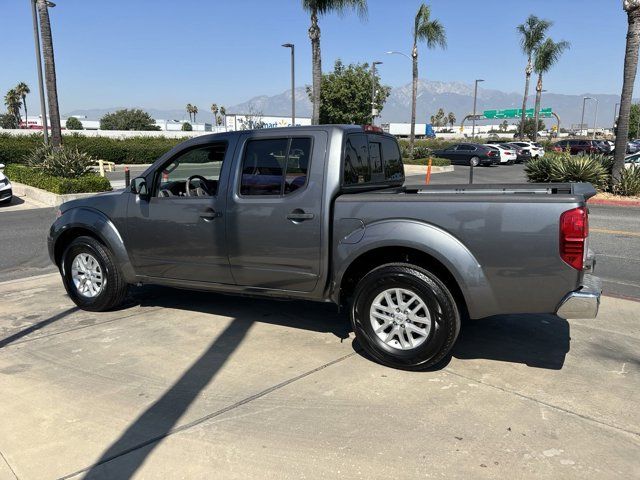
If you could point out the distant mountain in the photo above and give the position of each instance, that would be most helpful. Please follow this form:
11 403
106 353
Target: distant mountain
456 97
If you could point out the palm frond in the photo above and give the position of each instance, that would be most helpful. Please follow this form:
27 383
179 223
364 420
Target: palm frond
341 7
430 31
548 54
532 33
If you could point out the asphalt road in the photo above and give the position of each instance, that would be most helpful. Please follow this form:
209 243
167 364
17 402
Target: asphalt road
615 235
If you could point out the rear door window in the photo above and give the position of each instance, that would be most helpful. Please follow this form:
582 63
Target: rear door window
393 169
357 168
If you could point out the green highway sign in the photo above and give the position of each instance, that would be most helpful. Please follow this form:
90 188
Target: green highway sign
516 113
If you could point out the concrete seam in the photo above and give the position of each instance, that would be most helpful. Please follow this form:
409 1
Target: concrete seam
24 279
550 405
8 465
208 417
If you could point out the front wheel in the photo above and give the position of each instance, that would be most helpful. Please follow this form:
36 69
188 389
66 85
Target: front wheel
474 162
404 316
91 276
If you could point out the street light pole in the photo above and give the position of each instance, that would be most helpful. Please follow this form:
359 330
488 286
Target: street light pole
615 118
475 101
595 120
373 91
43 103
293 82
584 101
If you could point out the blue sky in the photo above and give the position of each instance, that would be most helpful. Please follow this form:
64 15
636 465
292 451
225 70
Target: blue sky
164 54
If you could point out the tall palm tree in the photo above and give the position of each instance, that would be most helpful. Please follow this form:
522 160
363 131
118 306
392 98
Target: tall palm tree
223 114
195 112
13 103
215 110
432 32
532 33
189 109
23 90
632 8
451 118
546 56
50 72
316 8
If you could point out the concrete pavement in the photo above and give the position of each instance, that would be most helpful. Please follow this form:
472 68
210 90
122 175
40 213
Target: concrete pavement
193 385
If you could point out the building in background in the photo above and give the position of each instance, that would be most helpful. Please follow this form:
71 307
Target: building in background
247 121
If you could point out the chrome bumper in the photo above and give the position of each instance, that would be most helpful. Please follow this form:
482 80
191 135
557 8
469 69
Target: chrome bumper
584 302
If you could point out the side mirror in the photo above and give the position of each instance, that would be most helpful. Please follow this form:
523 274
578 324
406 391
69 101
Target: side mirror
139 186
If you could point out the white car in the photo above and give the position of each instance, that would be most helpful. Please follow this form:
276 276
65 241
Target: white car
508 154
536 150
632 160
6 194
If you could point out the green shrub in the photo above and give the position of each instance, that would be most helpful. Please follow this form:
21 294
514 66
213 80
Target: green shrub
628 183
74 124
435 161
29 176
538 170
128 119
186 127
65 161
13 149
564 168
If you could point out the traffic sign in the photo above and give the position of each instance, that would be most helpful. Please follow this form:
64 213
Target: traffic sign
516 113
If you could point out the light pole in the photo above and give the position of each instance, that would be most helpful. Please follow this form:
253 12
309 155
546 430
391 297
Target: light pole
374 112
584 101
615 118
393 52
293 82
475 101
595 119
43 105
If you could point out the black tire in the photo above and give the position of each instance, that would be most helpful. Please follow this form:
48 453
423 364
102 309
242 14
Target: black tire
435 295
114 288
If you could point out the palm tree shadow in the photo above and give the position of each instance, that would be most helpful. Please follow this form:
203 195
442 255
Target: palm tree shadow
35 327
159 420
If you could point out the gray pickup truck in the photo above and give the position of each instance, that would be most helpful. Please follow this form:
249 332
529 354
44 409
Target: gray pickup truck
322 213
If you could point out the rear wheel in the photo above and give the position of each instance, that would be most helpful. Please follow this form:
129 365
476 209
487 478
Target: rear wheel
404 316
474 162
90 275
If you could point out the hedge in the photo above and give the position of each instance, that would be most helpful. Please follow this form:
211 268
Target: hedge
13 149
435 161
29 176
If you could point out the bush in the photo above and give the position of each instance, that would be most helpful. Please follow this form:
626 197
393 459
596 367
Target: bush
435 161
90 183
74 124
8 121
564 168
13 149
65 161
628 183
128 119
186 127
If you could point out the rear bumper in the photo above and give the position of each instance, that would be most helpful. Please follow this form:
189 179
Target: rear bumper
5 195
584 302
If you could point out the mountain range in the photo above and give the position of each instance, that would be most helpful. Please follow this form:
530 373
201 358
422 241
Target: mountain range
456 97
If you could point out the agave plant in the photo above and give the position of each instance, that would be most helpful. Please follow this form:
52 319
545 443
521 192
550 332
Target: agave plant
538 170
628 182
63 161
580 169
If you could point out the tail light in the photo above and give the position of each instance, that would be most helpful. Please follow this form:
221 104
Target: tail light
492 153
574 230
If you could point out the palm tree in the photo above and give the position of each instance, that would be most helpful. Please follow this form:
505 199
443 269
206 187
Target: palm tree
532 33
195 112
432 32
546 56
23 90
632 8
50 73
451 118
215 110
223 114
189 109
316 8
13 103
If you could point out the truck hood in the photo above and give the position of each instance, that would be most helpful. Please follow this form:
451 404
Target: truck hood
95 201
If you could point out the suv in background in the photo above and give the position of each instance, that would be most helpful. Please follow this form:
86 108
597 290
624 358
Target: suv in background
580 147
472 154
535 149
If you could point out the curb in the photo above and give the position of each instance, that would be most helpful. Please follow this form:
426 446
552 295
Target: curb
46 198
422 169
614 203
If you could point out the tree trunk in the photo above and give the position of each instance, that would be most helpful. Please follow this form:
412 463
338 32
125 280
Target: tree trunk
316 67
414 97
523 117
630 68
26 116
536 115
50 73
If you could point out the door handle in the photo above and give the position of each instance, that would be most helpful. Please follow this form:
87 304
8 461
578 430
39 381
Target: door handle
209 214
299 215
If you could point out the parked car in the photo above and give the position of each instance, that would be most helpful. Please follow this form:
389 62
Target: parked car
470 154
632 161
508 154
6 191
633 147
607 146
580 147
337 224
535 149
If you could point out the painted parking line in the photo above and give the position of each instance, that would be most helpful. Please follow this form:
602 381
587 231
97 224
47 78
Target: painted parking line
615 232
